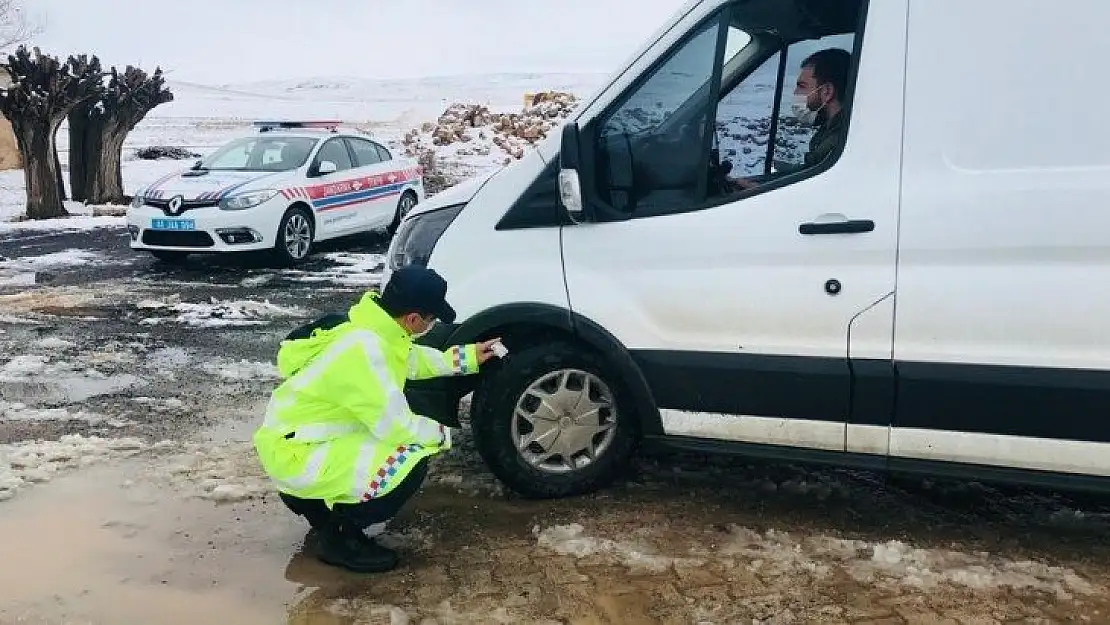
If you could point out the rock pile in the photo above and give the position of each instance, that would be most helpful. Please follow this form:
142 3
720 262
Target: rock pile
483 129
164 152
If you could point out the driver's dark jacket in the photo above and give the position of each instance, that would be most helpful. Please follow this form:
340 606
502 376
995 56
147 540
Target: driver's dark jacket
827 139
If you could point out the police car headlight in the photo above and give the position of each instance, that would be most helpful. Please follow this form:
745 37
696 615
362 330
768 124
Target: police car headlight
247 200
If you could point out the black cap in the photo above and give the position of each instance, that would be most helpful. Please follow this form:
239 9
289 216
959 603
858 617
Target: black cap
413 288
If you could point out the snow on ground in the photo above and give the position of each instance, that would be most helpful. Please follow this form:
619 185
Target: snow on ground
352 269
11 270
10 411
37 377
241 370
24 464
216 313
780 554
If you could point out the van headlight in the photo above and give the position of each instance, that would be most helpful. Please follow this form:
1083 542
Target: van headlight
246 200
417 236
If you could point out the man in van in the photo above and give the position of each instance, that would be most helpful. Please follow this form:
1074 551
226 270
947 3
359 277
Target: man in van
339 440
818 99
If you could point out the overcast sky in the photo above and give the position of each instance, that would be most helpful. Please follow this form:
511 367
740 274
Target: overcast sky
219 41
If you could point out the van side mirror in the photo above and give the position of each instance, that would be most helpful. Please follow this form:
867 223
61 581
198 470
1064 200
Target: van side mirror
570 185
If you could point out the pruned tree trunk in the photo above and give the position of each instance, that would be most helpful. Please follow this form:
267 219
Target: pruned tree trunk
44 199
98 129
85 132
43 92
106 173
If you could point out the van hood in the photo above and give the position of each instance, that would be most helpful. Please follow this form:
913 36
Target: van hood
461 193
211 185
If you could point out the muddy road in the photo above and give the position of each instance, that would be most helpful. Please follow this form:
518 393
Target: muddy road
129 491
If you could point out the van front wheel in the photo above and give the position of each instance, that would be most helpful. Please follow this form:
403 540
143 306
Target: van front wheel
551 421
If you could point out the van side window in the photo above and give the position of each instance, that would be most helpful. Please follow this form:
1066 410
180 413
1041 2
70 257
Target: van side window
745 111
714 121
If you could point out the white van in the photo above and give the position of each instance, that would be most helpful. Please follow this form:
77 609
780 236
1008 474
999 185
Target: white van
929 294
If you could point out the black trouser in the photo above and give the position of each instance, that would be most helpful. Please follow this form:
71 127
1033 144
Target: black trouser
363 514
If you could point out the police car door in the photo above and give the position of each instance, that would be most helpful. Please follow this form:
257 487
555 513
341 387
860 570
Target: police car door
334 198
378 182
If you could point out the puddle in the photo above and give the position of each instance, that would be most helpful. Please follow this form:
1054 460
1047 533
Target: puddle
96 547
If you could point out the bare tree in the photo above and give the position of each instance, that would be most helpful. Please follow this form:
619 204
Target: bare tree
43 92
15 26
98 128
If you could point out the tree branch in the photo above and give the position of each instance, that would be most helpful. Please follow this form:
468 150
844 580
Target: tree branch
15 27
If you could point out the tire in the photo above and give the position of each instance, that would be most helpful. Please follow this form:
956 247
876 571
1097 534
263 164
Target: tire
404 205
495 410
172 258
296 222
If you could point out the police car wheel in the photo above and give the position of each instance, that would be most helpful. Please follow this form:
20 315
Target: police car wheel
295 235
404 205
551 421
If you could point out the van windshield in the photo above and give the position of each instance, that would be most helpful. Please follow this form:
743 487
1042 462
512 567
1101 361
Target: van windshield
261 154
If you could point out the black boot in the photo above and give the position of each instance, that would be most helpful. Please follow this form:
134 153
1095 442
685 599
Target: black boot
353 550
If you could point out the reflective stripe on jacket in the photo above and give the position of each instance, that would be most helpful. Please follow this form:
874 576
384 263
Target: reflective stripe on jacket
338 427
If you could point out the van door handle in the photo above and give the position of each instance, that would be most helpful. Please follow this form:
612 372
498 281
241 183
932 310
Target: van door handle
847 226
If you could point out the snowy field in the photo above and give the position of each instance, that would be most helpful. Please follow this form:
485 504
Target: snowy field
129 390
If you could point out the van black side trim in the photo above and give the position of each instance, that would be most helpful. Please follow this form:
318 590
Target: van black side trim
952 470
1062 404
746 384
1071 404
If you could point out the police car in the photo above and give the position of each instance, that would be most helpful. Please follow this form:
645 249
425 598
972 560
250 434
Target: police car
292 184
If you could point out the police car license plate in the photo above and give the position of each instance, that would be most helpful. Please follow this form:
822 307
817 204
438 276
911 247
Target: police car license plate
172 224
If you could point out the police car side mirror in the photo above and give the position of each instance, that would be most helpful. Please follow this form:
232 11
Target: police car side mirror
326 167
570 183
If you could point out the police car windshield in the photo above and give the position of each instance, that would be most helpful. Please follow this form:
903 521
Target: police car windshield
260 154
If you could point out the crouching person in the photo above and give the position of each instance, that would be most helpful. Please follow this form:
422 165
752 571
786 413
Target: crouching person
339 440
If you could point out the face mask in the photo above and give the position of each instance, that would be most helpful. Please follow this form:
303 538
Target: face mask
800 106
416 335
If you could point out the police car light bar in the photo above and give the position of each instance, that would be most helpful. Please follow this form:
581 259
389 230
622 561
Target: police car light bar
264 126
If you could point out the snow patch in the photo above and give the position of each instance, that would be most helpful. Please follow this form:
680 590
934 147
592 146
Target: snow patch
241 370
64 224
53 342
775 554
217 314
71 256
353 269
571 540
223 473
25 464
257 281
35 377
15 411
19 279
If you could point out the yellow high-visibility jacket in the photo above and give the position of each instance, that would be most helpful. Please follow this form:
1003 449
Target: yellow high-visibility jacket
338 427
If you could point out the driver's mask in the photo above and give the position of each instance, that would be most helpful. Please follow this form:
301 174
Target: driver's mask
803 110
